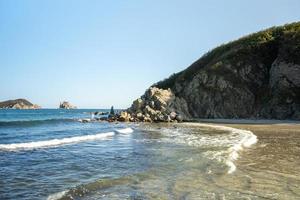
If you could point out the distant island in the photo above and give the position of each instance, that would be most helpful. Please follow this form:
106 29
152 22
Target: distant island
66 105
255 77
18 104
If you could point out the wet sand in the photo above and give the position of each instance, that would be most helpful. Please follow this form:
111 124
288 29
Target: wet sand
179 169
270 169
263 128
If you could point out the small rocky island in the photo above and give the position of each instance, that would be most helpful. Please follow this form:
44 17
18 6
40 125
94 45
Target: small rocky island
18 104
66 105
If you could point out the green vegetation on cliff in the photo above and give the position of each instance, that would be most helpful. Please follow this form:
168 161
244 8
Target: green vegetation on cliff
255 76
262 45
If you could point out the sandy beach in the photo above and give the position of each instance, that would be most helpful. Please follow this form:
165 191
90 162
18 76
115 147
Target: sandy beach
270 168
259 127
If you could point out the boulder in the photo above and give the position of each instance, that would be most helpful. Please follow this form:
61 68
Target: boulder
173 115
167 118
124 116
179 118
140 116
147 119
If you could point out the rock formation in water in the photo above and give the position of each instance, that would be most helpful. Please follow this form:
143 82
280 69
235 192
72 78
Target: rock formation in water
112 111
18 104
66 105
156 105
257 76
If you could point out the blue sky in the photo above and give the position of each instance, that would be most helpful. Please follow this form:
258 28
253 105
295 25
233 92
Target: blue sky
101 53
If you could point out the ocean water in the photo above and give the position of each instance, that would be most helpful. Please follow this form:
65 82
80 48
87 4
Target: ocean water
48 154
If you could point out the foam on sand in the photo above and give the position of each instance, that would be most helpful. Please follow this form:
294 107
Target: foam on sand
228 145
246 139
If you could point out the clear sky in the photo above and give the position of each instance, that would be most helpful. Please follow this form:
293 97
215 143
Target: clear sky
101 53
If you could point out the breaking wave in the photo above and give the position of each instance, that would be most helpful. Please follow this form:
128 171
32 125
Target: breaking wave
124 131
60 142
231 143
33 122
246 139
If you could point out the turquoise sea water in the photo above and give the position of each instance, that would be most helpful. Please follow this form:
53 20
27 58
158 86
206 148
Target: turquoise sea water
48 154
34 173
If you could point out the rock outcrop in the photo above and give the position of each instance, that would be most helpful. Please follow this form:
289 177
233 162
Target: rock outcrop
257 76
66 105
156 105
18 104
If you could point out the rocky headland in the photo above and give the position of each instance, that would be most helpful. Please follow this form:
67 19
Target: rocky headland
66 105
18 104
255 77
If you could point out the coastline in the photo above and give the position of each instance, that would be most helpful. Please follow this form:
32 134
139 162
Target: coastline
258 127
197 158
248 121
277 134
273 161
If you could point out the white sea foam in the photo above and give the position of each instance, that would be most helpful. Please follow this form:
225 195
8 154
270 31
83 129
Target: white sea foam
54 142
60 142
244 139
233 142
125 130
57 195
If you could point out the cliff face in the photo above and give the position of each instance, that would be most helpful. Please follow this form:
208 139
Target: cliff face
18 104
257 76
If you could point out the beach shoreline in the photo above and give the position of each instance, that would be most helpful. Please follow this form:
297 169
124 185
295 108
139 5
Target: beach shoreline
260 128
248 121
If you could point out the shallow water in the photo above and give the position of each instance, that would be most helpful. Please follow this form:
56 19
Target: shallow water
135 161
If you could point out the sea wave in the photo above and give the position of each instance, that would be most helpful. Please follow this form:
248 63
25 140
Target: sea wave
60 142
54 142
57 195
125 130
247 138
92 187
228 145
34 122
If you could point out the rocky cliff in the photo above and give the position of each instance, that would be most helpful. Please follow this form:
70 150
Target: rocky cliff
257 76
18 104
